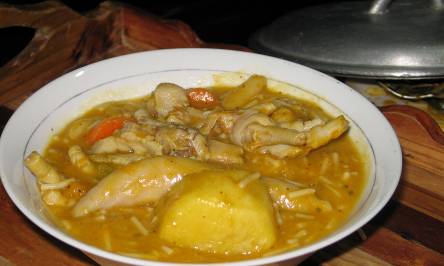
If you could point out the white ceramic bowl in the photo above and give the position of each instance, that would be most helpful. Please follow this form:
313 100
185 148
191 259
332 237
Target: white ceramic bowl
50 108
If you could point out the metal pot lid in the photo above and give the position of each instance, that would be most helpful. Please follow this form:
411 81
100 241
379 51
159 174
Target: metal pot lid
399 40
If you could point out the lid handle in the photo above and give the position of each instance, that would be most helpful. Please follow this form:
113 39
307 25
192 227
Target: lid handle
380 6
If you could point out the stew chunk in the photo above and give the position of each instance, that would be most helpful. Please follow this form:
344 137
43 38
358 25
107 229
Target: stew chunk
223 212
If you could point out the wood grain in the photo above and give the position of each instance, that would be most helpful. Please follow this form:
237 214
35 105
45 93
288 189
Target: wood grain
65 40
422 142
349 257
394 231
396 250
50 52
25 244
411 225
423 123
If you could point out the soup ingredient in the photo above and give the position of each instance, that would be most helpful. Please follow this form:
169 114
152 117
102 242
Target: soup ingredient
293 197
75 190
148 180
189 116
80 127
209 211
201 98
225 153
137 183
260 172
41 169
112 144
281 151
244 93
169 96
55 186
183 142
323 134
56 198
301 125
253 130
118 159
80 160
239 131
49 180
219 122
104 129
283 115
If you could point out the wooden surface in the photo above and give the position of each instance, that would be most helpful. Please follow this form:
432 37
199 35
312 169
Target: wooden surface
408 231
422 141
65 40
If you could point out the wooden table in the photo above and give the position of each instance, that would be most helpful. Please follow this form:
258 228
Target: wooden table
409 230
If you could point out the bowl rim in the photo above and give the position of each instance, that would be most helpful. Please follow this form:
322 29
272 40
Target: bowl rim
59 234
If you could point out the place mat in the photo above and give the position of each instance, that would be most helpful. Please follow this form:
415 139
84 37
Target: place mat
380 97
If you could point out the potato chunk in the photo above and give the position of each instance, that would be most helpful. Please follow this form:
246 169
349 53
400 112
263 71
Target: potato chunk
244 93
210 212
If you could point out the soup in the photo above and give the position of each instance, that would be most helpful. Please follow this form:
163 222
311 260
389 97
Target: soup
202 174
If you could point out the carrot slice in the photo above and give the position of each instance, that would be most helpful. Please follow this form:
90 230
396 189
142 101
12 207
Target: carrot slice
105 129
202 98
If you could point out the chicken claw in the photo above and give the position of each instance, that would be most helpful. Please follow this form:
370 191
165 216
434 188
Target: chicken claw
256 135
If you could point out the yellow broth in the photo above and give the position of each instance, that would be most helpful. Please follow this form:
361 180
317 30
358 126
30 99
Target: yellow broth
337 171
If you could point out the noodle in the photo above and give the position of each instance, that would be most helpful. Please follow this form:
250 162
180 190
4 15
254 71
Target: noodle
59 185
300 193
139 225
244 182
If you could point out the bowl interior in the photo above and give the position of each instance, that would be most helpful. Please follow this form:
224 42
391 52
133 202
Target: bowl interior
49 109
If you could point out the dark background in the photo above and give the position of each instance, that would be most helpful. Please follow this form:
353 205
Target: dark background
223 21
